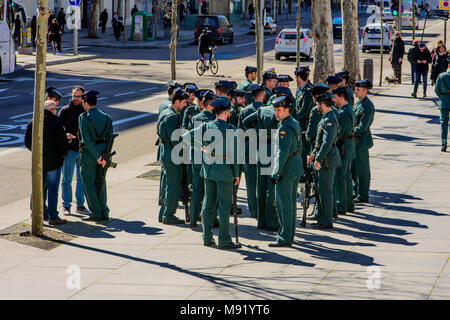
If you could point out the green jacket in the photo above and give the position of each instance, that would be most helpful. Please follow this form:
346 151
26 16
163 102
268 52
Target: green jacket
325 147
346 141
365 112
93 141
164 104
191 111
168 122
442 90
288 160
314 119
248 110
202 117
268 93
304 103
234 116
224 168
350 96
248 95
263 118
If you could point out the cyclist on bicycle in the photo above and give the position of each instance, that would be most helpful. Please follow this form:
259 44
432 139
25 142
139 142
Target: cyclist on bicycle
205 45
54 34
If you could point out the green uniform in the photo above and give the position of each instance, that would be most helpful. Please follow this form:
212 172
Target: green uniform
191 111
248 95
169 121
198 184
250 169
365 112
304 103
346 145
219 186
95 128
442 90
162 177
264 119
268 93
291 108
234 116
164 105
327 154
288 169
350 96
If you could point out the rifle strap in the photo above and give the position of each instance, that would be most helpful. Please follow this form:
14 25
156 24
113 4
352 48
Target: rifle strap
98 138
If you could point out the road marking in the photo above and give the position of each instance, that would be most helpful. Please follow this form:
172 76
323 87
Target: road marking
9 97
20 115
151 98
141 116
2 90
124 94
246 44
149 89
102 98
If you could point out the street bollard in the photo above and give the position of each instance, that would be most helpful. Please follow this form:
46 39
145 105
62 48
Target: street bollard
368 70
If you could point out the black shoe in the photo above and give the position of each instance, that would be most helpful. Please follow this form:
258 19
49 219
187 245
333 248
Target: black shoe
358 200
216 224
342 213
277 244
335 215
231 245
210 244
351 210
444 148
89 218
321 226
238 211
174 221
414 95
193 224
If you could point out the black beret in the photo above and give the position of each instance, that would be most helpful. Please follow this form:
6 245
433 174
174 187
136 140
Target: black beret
190 87
209 95
324 97
318 89
269 75
90 95
237 93
199 93
180 94
53 93
342 74
254 87
339 90
173 84
284 78
333 80
283 101
282 91
363 84
302 69
250 69
220 104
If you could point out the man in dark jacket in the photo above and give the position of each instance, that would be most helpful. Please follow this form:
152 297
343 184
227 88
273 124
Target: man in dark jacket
422 59
69 118
204 45
411 53
104 19
396 57
61 18
55 147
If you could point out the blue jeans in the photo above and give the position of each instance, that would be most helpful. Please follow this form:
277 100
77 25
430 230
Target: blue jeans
71 160
424 81
413 72
51 188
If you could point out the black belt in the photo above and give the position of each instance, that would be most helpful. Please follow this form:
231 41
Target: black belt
99 141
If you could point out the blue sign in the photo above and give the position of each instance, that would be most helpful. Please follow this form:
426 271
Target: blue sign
74 2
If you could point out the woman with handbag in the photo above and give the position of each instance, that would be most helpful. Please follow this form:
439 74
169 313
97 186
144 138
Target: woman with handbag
439 63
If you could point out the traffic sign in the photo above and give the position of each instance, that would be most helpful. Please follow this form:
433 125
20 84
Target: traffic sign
444 5
74 2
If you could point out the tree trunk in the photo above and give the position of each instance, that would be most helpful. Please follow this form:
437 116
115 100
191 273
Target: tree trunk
298 32
323 40
37 205
350 39
258 28
93 20
173 40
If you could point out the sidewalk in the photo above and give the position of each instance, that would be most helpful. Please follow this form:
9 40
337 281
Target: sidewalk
396 247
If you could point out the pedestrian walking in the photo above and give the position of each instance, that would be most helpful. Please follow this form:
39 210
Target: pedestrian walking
55 147
411 54
134 10
54 34
181 13
442 90
103 19
365 112
33 31
251 11
17 28
69 117
396 56
438 63
95 130
422 60
61 18
117 24
288 169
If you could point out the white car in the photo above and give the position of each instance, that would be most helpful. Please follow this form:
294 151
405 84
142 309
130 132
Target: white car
270 26
407 20
286 43
387 15
371 37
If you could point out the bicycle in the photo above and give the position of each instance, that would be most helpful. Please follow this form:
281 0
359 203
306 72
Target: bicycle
203 65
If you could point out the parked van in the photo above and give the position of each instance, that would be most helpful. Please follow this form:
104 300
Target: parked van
371 37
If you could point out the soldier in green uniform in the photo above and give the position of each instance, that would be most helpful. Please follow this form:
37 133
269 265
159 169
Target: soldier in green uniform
223 88
442 90
269 82
365 112
345 79
283 80
168 122
197 180
237 102
95 129
220 174
264 122
346 145
194 109
288 169
250 76
170 90
326 159
250 167
303 105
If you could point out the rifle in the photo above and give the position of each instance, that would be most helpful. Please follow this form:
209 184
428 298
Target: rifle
235 190
107 156
185 192
307 193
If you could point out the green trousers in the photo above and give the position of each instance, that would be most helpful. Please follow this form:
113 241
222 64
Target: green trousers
218 199
267 210
171 192
162 185
344 187
251 183
444 125
325 189
306 150
362 166
286 200
354 178
198 192
91 178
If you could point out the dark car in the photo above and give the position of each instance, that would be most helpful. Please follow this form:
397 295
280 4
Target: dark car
219 29
337 28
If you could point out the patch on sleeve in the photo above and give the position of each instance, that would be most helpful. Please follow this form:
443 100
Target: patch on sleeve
329 124
310 114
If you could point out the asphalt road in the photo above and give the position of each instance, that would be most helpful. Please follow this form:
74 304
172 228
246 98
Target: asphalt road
132 84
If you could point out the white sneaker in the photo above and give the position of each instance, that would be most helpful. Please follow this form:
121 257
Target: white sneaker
66 211
83 210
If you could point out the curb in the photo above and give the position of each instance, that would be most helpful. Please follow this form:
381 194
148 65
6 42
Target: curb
52 63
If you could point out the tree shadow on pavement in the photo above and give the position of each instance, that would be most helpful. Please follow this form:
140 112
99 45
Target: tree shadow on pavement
433 119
